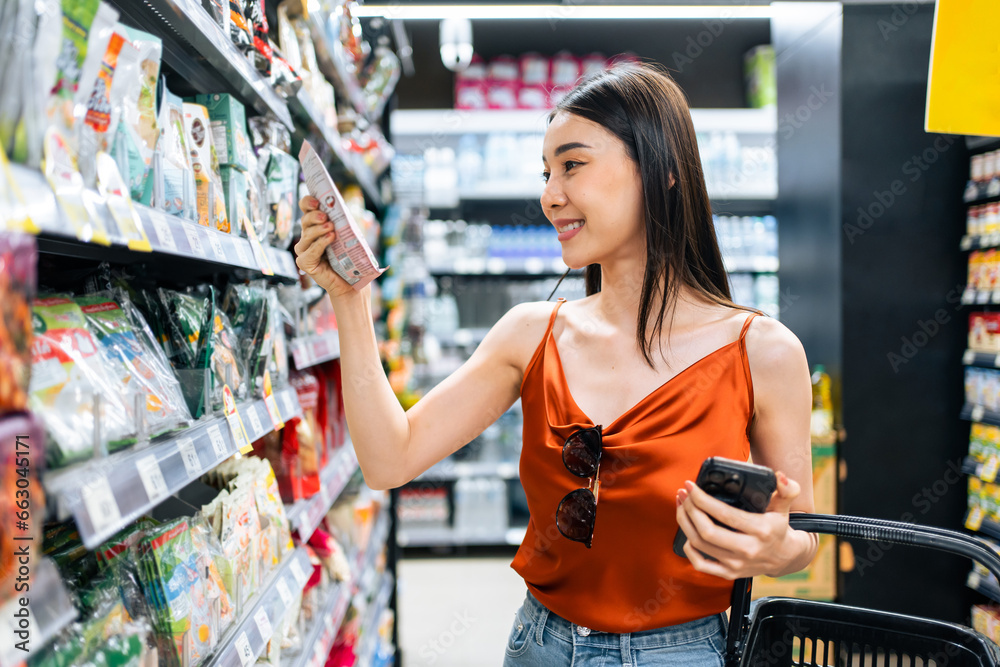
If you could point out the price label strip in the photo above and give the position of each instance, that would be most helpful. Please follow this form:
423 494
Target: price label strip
256 428
241 253
192 464
263 624
239 432
217 249
100 503
258 249
13 211
271 404
285 593
218 442
244 651
978 412
152 477
194 241
164 235
300 576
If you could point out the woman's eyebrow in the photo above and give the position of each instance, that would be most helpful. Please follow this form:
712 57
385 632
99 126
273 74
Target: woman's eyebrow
570 146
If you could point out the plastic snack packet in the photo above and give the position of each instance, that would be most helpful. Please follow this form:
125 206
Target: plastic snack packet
137 362
349 254
211 203
68 373
138 128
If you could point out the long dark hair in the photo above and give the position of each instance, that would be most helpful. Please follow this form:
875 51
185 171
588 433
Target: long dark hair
648 112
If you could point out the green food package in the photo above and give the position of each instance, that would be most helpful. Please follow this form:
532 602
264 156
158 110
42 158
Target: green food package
282 190
69 371
228 120
137 362
203 348
236 187
248 308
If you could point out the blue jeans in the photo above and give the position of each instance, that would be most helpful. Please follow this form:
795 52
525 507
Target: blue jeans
539 638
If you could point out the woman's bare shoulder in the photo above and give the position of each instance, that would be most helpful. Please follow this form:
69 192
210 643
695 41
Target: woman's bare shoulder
517 334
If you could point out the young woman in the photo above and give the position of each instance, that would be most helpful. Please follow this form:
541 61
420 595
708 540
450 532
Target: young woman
624 394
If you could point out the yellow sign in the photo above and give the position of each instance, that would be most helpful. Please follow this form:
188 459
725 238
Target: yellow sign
963 88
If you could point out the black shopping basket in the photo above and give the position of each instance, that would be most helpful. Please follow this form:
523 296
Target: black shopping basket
785 632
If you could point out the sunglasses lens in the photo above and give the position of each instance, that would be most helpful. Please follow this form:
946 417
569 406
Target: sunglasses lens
576 515
582 451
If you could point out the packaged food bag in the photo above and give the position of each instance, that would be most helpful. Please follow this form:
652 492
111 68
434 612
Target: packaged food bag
229 129
68 371
210 200
136 360
349 254
138 128
173 190
282 188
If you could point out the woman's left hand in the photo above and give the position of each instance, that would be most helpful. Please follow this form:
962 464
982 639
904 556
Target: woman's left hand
758 544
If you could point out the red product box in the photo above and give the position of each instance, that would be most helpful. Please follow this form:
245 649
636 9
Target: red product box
984 332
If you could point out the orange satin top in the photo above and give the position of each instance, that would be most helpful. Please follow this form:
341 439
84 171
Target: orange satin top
630 580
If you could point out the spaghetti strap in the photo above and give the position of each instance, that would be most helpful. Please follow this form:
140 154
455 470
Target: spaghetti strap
746 327
552 317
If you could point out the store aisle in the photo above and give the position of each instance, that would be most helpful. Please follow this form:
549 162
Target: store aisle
456 612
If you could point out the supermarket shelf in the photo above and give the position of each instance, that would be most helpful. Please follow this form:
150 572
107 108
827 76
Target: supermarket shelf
987 359
305 515
974 468
977 144
422 122
980 297
346 163
369 626
978 413
247 639
974 241
989 528
364 559
496 266
549 266
985 585
752 265
197 49
447 471
449 537
106 495
318 641
168 235
313 350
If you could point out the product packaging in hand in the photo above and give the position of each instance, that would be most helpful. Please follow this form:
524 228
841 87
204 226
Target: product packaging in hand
349 254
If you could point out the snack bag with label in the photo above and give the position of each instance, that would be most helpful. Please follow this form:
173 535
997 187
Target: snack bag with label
69 371
138 129
210 199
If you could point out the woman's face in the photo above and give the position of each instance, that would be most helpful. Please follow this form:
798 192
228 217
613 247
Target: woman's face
593 193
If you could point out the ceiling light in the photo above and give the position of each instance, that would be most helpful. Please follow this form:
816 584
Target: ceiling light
561 12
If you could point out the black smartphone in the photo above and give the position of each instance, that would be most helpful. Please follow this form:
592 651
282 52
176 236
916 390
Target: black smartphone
743 485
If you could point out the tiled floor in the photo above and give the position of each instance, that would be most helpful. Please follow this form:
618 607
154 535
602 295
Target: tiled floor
456 612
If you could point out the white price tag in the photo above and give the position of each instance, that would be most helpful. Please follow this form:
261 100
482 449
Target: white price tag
263 624
286 399
272 411
241 253
194 240
239 433
164 234
220 254
192 464
152 477
968 357
966 243
243 650
255 426
285 593
978 412
300 576
968 297
218 442
100 503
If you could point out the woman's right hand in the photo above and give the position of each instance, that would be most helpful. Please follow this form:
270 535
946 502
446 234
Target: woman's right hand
310 251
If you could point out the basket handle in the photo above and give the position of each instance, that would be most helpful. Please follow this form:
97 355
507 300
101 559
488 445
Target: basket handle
875 530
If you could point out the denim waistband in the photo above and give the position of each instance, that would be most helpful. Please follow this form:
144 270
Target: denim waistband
674 635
